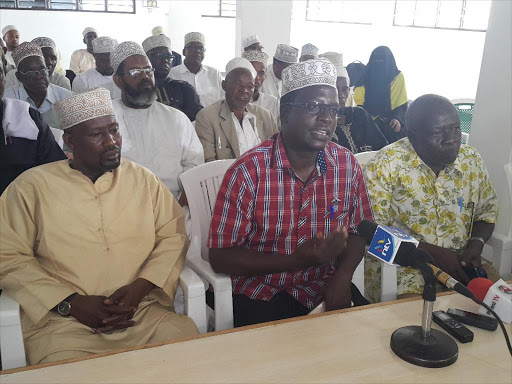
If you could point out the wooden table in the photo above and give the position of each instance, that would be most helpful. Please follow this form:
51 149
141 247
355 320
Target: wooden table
350 346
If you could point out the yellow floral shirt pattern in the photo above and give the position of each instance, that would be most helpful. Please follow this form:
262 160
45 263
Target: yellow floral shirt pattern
405 193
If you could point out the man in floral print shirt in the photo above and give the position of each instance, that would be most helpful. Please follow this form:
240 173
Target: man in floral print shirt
430 186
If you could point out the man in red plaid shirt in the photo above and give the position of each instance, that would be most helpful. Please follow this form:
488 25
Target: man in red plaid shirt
284 226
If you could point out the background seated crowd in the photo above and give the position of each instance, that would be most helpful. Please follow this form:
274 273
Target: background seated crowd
93 216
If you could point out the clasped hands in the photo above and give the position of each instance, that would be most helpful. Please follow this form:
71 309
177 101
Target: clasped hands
318 251
107 314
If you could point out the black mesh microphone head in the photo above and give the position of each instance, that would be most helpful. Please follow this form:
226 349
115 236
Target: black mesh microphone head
366 229
410 256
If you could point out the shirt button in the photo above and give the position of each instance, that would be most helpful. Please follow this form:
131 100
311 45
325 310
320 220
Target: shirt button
108 249
99 229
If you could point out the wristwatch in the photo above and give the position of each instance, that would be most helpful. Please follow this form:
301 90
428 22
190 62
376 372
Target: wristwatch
64 307
479 239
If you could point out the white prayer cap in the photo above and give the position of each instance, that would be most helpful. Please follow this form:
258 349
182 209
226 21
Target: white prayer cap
158 30
25 50
8 28
248 41
155 42
308 73
88 30
258 56
45 42
194 37
309 50
83 107
103 44
240 62
286 53
337 60
123 51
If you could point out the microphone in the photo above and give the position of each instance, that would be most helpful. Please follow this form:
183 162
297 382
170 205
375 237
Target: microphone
498 296
394 246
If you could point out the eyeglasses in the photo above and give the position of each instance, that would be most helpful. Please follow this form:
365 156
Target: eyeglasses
33 74
138 71
196 48
163 56
315 108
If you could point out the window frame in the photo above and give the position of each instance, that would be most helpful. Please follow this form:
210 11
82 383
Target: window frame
48 3
220 15
461 19
337 22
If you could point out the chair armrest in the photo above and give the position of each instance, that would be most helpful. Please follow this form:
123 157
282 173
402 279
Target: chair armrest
12 349
388 283
9 311
221 283
191 284
501 253
195 299
203 268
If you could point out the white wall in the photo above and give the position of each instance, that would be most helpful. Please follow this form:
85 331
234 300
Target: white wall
491 129
270 19
65 27
433 61
178 17
186 16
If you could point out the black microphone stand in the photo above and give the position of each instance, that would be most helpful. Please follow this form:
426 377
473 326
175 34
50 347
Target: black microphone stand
424 346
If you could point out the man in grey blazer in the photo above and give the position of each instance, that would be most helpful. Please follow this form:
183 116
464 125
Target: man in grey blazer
232 126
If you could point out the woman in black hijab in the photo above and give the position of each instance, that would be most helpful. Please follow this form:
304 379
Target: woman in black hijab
383 94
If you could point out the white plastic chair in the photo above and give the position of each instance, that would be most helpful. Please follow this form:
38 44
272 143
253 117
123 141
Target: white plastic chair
388 280
502 245
201 185
11 338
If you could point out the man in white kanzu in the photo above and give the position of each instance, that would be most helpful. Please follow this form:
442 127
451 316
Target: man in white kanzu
285 56
82 59
206 80
156 136
102 74
11 37
259 61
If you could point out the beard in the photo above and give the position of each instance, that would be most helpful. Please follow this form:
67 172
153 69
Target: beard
140 97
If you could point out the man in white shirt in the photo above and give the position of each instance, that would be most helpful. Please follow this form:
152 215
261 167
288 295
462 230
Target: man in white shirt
252 43
156 136
231 127
11 37
35 88
49 49
82 59
206 80
285 56
259 61
101 76
308 52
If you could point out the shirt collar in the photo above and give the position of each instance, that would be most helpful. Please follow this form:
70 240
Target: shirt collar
456 166
280 160
184 69
50 96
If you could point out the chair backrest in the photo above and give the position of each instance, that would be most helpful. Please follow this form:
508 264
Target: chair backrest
364 157
201 185
465 108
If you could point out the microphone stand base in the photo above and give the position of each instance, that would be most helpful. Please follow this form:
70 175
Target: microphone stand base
439 350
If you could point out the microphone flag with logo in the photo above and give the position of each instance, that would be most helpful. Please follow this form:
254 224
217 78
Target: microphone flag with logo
387 240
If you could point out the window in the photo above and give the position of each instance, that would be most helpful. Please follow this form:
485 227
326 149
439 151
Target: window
339 11
472 15
118 6
220 8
